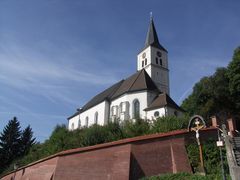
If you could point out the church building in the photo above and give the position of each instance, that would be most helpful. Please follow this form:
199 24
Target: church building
145 94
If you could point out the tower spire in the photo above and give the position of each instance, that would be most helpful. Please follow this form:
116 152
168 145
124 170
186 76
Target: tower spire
152 38
154 59
151 15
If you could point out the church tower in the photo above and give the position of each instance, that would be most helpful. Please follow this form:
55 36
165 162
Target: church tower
154 59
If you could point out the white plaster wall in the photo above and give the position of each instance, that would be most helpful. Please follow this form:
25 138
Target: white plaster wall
150 114
141 96
102 110
164 111
140 58
74 121
164 57
160 74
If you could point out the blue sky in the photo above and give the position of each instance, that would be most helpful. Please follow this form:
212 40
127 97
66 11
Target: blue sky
56 54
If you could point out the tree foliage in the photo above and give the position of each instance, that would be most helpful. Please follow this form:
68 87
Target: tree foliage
211 157
14 143
169 123
136 128
217 94
26 140
186 176
234 77
10 142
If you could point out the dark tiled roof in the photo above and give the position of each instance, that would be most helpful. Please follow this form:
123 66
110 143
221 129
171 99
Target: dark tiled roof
137 82
105 95
152 38
161 101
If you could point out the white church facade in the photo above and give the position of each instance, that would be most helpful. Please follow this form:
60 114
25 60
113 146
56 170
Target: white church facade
145 94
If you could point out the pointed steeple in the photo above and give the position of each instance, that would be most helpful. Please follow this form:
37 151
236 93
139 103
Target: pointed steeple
152 38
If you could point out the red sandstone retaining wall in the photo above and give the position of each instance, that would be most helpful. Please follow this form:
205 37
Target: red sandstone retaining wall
105 163
125 159
39 171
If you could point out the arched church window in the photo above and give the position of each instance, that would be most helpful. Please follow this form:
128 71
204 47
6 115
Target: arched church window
136 109
79 123
114 110
127 106
161 62
156 60
121 107
86 121
142 63
145 61
72 126
96 118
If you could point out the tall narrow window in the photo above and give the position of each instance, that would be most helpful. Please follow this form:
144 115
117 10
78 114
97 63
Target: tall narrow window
86 121
142 63
96 118
121 107
79 123
115 110
161 62
72 126
156 60
145 61
136 109
124 106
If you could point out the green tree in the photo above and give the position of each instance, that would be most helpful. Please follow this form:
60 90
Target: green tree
62 139
169 123
217 94
211 96
10 143
234 78
26 140
137 127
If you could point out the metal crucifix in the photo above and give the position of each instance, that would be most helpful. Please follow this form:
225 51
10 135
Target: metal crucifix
196 123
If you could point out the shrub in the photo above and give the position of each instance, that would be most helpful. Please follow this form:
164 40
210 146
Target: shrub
169 123
211 157
185 176
137 128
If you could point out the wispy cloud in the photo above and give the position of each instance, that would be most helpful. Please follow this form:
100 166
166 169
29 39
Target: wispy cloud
29 70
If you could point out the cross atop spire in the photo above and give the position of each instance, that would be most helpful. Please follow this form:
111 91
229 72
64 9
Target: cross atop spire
151 15
152 38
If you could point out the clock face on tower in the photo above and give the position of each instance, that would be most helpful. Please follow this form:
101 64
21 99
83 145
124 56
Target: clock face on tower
159 54
143 55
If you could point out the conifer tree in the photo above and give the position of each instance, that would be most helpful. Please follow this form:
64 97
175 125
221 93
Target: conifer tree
26 140
10 142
